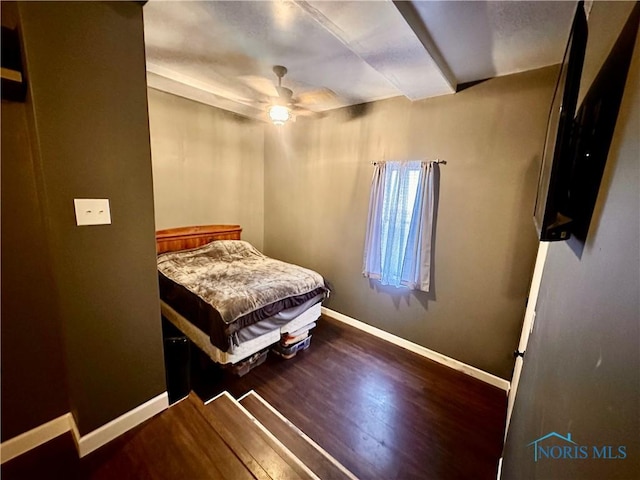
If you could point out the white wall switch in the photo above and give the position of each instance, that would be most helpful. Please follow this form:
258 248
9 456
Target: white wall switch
92 211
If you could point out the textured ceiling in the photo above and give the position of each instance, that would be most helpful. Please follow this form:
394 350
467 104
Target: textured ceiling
342 53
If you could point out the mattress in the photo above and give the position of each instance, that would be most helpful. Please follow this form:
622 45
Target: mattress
259 338
227 285
279 320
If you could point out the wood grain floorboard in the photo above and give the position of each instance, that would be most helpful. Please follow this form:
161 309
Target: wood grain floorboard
226 431
309 454
380 410
240 428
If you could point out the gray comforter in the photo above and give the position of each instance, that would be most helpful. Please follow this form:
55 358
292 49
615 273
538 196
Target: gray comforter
235 278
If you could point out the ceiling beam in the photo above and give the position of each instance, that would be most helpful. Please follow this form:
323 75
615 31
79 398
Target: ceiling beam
378 33
413 19
169 81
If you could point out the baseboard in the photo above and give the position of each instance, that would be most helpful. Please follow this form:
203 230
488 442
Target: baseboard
420 350
35 437
103 435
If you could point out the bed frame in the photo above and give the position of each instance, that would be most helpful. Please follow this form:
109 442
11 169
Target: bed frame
183 238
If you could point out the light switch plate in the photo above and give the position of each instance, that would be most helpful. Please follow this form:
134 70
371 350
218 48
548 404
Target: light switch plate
92 211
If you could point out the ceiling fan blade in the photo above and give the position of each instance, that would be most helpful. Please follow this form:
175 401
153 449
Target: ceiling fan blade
261 85
303 112
317 96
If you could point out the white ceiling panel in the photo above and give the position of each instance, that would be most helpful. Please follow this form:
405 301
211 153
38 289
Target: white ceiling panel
486 39
220 43
222 52
381 37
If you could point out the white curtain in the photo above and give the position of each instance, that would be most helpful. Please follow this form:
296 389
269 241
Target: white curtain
400 224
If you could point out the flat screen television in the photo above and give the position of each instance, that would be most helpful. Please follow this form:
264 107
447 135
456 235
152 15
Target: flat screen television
594 126
552 209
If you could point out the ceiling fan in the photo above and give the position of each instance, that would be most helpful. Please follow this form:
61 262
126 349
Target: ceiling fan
279 111
281 106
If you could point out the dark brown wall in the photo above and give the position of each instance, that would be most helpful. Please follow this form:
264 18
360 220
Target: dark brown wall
317 184
34 387
86 69
581 372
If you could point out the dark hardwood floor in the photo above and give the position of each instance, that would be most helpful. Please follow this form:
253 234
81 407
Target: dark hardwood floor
383 412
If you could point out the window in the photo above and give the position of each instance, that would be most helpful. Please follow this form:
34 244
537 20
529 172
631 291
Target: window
399 228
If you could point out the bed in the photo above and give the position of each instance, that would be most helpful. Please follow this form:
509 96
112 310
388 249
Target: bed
227 297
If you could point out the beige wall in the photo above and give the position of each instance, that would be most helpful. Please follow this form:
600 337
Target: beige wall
207 166
317 176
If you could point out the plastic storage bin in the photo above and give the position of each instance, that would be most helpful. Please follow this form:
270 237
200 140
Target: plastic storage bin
244 367
291 350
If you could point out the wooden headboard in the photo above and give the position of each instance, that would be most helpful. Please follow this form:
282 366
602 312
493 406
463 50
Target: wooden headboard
183 238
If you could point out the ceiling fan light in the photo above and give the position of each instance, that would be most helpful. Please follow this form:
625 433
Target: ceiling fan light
279 114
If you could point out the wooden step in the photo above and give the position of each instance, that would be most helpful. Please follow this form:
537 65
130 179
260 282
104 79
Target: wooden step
177 443
222 462
258 449
309 452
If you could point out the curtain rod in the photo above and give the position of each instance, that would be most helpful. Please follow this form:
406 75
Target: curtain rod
437 160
